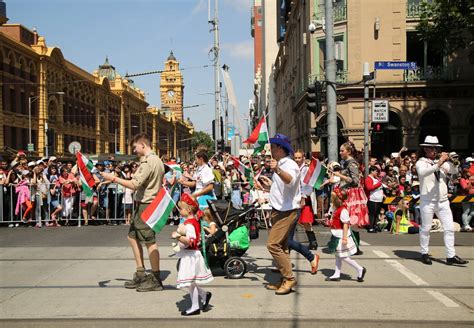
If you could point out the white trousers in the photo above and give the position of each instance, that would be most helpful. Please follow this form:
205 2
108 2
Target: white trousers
443 212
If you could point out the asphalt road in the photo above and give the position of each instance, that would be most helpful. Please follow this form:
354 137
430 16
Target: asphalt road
73 276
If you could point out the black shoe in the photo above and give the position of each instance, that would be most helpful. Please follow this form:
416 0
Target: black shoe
455 260
425 258
361 278
332 279
313 246
196 312
206 303
359 252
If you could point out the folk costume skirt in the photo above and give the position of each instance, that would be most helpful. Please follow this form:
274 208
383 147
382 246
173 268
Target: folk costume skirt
357 206
192 269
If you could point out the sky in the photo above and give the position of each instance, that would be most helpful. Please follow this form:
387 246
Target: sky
137 36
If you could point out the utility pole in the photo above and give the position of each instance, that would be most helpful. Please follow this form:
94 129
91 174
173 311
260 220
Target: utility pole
215 49
366 77
330 65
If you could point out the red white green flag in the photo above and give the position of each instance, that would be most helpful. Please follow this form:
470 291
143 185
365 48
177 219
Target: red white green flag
157 213
245 171
316 174
85 167
259 136
174 166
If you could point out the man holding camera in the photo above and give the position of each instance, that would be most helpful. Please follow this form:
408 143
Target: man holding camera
434 198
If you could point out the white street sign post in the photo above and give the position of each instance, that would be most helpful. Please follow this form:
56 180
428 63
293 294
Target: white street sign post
380 111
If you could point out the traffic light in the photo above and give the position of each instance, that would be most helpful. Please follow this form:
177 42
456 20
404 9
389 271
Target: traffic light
314 95
377 132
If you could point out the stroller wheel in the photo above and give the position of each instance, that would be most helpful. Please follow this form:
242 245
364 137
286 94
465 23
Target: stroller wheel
235 268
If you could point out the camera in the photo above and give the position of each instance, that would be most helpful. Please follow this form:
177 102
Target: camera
312 27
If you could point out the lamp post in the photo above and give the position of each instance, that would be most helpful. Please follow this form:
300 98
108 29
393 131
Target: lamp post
30 101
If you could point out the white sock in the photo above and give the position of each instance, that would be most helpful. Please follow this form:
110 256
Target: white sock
194 295
202 293
337 270
353 264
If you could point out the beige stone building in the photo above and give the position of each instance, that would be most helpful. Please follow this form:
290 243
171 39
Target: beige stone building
435 98
48 102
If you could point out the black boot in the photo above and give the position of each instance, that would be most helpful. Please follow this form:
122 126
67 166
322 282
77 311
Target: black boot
357 242
313 244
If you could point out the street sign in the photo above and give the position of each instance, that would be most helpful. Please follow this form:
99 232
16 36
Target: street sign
379 111
395 65
74 147
31 147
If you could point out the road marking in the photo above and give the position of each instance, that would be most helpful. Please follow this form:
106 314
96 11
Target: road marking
407 273
363 243
443 299
380 254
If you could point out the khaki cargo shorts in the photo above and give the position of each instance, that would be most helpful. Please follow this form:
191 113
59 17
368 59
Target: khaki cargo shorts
139 230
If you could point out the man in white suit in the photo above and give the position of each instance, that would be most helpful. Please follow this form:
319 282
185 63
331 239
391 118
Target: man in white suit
434 198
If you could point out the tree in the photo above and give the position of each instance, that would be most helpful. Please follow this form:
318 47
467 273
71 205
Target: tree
202 138
447 25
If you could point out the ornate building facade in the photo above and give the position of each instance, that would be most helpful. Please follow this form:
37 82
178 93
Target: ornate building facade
435 98
48 102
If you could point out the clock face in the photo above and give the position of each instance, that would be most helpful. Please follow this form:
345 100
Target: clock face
170 93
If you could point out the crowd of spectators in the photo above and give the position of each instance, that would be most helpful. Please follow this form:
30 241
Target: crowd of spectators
47 192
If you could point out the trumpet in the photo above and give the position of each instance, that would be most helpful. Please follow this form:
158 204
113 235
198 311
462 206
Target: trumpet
454 158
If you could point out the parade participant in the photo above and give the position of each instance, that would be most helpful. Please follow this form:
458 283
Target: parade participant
305 213
203 181
342 241
374 189
146 182
434 198
285 197
356 199
192 268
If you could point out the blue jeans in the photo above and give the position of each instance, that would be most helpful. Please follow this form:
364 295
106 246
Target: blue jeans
296 245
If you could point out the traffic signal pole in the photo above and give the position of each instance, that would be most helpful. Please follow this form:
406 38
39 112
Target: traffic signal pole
366 77
330 65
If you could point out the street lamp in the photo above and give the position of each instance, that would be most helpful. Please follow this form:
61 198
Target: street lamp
30 101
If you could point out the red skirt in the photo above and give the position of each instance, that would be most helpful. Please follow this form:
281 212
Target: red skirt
307 214
357 206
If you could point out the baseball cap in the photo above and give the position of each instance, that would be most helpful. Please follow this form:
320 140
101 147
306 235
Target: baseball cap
32 163
53 158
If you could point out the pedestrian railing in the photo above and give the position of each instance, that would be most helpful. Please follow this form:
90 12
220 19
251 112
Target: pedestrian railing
105 206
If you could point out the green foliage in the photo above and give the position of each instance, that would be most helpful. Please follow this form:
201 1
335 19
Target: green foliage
202 138
447 25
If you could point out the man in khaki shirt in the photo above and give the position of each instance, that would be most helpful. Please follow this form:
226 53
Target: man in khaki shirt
146 182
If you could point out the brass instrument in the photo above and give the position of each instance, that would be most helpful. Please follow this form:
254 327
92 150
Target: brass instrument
454 158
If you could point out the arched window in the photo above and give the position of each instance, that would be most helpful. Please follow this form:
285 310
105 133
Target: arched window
436 123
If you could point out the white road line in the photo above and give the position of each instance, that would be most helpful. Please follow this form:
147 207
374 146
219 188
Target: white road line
407 273
363 243
446 301
443 299
380 254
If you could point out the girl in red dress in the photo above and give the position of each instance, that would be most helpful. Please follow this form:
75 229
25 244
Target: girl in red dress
192 268
342 242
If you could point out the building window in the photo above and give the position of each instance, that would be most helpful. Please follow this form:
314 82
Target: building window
13 107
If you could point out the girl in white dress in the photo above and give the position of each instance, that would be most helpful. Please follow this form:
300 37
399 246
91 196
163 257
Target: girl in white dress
192 268
342 241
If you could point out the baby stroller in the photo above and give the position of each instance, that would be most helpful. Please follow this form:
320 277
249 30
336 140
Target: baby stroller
225 248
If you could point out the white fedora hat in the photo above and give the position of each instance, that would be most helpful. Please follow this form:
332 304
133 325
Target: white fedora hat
431 141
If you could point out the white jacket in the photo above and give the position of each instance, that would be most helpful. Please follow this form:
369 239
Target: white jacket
431 189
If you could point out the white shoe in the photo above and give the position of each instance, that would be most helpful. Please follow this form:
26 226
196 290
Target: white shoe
467 228
11 225
17 224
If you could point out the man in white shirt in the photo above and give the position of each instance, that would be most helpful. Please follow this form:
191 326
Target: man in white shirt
285 197
434 198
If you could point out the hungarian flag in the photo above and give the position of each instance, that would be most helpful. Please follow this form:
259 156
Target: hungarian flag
259 136
245 171
157 213
315 175
174 166
85 167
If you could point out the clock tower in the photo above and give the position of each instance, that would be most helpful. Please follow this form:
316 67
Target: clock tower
171 87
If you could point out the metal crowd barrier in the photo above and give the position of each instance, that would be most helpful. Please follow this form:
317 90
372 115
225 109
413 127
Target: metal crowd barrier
110 196
455 199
